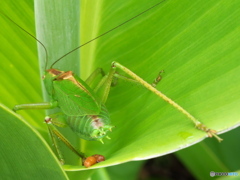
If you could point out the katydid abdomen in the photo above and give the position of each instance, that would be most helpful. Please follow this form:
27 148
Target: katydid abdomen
89 127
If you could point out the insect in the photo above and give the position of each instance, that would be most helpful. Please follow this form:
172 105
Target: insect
83 108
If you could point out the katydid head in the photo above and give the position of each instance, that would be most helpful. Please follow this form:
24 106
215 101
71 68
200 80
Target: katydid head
48 78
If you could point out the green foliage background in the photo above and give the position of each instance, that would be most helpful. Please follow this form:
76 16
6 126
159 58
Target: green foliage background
196 43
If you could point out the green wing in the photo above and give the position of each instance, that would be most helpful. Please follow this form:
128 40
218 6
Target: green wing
75 98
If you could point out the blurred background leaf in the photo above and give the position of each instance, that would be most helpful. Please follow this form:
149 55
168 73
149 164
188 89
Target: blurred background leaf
19 158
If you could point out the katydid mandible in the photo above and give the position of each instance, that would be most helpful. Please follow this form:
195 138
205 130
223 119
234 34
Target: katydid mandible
83 107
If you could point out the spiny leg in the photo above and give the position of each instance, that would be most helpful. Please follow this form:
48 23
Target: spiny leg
104 86
58 120
198 124
55 144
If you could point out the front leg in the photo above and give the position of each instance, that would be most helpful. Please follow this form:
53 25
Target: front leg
44 105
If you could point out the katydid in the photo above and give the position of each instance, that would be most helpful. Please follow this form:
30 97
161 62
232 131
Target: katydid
83 107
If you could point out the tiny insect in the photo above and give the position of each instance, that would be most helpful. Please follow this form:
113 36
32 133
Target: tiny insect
83 107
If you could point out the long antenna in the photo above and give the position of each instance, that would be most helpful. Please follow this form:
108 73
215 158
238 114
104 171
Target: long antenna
106 32
45 49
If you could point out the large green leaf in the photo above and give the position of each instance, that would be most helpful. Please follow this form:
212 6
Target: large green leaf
23 151
195 43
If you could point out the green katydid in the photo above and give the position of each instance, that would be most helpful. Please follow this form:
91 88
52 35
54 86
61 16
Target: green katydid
82 108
